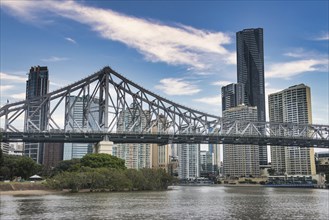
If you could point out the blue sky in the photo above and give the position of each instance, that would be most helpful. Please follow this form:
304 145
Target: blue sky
182 50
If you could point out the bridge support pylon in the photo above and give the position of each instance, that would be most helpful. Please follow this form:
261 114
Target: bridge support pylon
104 147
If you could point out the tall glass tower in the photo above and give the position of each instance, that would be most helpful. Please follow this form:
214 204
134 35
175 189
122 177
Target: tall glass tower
232 96
36 118
81 116
250 70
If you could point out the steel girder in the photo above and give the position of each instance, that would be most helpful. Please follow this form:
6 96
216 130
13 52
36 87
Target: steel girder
119 99
159 138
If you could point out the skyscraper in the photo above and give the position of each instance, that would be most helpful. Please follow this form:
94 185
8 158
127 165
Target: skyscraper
240 160
80 116
136 156
35 117
292 105
160 153
232 95
250 73
189 161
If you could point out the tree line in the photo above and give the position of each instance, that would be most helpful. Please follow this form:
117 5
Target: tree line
12 166
94 172
104 172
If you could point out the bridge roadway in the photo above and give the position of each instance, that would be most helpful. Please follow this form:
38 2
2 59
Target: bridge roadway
160 138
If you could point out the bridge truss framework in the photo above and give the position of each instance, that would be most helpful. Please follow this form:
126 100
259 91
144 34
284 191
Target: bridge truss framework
127 112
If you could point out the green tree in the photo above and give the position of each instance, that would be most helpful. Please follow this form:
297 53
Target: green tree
102 160
136 177
1 156
18 166
271 171
26 167
67 165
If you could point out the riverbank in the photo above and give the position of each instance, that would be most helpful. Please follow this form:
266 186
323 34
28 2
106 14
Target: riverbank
22 186
242 185
31 192
26 188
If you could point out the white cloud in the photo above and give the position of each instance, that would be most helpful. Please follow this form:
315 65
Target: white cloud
221 83
175 45
70 40
19 96
54 59
289 69
306 54
12 78
172 86
56 84
5 88
324 36
213 100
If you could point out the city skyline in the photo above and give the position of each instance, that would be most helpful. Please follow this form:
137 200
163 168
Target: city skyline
188 58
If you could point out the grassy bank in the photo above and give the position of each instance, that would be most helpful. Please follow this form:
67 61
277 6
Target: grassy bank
22 186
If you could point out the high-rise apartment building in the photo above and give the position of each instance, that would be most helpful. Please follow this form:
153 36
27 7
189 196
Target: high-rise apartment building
206 163
77 119
188 161
240 160
53 154
232 95
292 105
250 73
35 117
136 156
160 153
5 147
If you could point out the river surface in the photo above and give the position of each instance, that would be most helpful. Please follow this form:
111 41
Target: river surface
205 202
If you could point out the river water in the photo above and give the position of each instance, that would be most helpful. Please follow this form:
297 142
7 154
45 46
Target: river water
206 202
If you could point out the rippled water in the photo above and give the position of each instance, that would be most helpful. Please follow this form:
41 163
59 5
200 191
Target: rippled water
213 202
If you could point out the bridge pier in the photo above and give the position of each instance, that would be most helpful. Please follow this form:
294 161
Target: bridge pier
103 147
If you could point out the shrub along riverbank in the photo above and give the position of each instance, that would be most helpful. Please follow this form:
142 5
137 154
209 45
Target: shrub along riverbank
109 179
103 172
95 172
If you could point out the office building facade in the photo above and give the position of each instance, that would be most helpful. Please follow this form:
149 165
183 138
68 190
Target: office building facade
250 73
232 95
160 153
292 105
77 120
240 160
35 117
136 156
206 164
188 161
53 154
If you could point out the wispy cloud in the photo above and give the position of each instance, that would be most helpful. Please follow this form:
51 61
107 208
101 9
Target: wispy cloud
172 44
213 100
70 40
172 86
287 70
306 54
19 96
55 59
12 77
221 83
324 36
56 84
4 88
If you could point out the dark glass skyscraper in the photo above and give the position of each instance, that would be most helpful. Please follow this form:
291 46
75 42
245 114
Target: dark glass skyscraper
36 118
250 70
232 95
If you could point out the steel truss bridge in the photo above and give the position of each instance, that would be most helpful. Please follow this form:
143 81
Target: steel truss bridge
114 108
